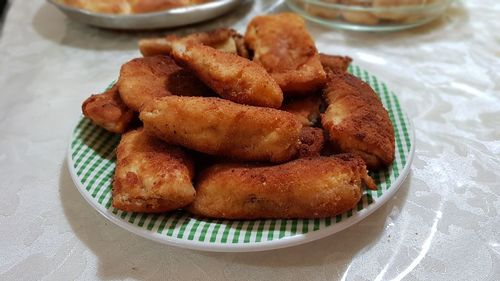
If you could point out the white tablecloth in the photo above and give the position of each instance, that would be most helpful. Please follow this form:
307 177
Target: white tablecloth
443 224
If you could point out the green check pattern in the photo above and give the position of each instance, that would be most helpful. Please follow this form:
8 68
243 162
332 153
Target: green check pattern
93 161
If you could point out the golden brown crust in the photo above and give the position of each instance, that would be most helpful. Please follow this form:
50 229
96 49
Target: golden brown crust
303 188
282 45
107 110
357 121
145 79
241 47
151 176
335 64
220 127
229 75
155 46
305 109
223 39
311 142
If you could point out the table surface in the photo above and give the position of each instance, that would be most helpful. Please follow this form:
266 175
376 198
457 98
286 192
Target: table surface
443 223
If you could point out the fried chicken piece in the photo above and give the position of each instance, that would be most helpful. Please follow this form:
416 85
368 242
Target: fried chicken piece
107 110
230 76
306 109
335 64
311 142
220 127
155 46
356 120
151 176
303 188
223 39
145 79
282 45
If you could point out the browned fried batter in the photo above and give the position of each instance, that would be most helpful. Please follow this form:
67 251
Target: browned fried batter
145 79
282 45
155 46
311 142
229 75
306 109
356 120
303 188
334 64
223 39
220 127
107 110
151 176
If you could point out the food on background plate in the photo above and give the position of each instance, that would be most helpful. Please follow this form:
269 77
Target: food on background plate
144 79
223 39
100 6
148 6
232 77
125 7
282 45
303 188
360 17
170 88
371 12
396 16
151 176
220 127
107 110
356 120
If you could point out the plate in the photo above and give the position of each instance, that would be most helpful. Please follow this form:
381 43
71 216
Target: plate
162 19
91 160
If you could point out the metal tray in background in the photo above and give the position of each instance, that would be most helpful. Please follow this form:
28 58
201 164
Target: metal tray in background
162 19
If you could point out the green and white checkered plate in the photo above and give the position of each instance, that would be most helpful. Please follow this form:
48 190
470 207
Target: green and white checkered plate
92 162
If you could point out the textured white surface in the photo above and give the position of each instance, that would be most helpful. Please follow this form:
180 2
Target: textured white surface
443 224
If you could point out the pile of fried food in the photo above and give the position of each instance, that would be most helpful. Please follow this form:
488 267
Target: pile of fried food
124 7
231 126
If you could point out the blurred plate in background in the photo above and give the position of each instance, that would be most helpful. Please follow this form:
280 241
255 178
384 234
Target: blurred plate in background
370 15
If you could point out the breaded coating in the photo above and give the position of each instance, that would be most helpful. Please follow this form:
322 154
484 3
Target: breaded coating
282 45
356 120
335 64
151 176
145 79
230 76
303 188
220 127
311 142
306 109
107 110
241 47
155 46
223 39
